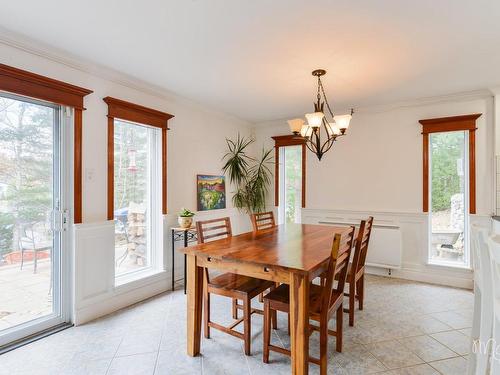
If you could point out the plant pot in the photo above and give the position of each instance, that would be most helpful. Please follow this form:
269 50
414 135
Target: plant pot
185 222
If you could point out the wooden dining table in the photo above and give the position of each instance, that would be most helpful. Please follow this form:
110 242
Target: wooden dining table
293 254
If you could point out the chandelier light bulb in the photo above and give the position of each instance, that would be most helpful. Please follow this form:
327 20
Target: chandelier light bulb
306 131
315 119
333 129
343 121
296 125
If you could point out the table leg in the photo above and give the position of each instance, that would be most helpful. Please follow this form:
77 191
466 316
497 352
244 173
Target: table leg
173 260
299 323
194 305
185 245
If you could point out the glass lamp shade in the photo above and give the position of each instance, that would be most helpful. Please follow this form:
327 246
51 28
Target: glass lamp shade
333 129
296 125
306 131
315 119
342 121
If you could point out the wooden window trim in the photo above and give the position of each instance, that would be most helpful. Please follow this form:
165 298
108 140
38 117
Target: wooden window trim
447 124
283 141
120 109
36 86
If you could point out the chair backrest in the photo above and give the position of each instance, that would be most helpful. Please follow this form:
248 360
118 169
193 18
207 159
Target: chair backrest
362 242
337 268
213 229
261 221
480 257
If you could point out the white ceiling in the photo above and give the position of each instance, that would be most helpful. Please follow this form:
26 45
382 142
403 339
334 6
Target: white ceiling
253 58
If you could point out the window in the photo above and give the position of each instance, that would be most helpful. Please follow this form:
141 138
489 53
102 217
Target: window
449 187
289 178
136 209
448 180
290 184
136 186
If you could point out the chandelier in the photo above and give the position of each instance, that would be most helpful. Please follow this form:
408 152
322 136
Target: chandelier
311 132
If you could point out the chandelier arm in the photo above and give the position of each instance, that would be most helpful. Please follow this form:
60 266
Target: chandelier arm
309 145
328 143
318 139
327 127
331 142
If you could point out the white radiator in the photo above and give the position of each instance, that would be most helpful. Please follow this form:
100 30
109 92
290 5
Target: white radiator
384 250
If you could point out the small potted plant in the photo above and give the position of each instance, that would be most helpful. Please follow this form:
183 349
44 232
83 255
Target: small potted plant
185 218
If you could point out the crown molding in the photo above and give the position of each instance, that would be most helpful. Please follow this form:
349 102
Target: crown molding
48 52
456 97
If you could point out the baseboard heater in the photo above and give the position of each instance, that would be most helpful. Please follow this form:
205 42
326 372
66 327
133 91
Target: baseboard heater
385 245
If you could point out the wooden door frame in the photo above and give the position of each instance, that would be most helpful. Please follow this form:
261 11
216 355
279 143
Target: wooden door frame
22 82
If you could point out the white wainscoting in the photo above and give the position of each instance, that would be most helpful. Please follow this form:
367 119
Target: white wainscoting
95 293
94 275
412 258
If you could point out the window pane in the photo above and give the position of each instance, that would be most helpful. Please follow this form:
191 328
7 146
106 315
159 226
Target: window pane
132 196
292 183
448 198
27 197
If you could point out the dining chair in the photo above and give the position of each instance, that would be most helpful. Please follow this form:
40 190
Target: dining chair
237 287
482 321
356 271
263 220
495 273
324 300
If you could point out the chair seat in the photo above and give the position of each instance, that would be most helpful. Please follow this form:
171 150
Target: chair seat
239 283
281 295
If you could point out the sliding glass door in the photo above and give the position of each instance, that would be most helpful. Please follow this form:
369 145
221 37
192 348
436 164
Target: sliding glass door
32 217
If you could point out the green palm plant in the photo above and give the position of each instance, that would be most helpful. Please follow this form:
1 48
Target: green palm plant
251 176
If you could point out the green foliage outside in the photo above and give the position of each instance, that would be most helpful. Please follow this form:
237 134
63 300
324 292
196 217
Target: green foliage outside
293 181
26 149
131 164
446 149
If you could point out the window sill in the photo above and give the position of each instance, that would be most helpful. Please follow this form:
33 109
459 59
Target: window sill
449 265
138 279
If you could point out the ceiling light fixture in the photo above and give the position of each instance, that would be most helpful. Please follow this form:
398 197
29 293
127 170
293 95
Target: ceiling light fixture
311 131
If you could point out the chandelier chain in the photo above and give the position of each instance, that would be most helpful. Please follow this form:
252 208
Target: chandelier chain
320 86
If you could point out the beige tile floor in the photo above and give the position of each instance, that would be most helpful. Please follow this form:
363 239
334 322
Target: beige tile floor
406 328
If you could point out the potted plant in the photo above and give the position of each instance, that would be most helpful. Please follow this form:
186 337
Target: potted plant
185 218
250 176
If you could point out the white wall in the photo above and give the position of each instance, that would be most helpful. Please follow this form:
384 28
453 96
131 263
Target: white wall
377 169
196 144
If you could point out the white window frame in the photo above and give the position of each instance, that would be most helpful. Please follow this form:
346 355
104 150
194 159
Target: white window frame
467 258
155 232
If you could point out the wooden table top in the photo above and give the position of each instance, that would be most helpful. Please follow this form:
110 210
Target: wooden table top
293 247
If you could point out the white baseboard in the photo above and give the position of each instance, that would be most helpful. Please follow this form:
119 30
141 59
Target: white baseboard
441 276
124 297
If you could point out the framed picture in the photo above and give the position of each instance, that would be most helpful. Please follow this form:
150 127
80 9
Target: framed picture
211 192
